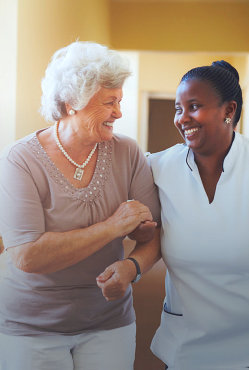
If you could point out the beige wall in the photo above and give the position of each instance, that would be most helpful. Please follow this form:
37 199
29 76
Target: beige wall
43 27
8 44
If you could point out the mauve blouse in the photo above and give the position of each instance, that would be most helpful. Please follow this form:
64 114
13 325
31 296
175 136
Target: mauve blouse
35 198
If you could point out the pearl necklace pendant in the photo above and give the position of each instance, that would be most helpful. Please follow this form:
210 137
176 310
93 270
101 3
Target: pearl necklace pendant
79 170
78 174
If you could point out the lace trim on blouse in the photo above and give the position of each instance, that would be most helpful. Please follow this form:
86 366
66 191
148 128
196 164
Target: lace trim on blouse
100 176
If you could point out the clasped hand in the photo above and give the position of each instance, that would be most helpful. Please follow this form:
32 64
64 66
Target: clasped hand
135 220
115 279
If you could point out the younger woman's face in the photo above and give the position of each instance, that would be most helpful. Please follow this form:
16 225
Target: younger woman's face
200 117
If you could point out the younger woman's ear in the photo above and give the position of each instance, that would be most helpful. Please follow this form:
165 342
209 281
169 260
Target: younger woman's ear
231 108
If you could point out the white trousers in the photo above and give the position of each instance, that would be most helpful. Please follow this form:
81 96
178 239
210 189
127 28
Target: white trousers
94 350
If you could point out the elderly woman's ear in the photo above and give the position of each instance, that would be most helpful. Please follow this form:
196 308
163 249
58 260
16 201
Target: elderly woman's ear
69 110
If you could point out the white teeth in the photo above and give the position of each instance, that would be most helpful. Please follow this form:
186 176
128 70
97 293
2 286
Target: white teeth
110 124
190 131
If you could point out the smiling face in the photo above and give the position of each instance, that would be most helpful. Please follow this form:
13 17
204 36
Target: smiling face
98 116
200 117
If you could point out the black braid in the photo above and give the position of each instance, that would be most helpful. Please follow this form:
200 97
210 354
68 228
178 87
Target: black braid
224 78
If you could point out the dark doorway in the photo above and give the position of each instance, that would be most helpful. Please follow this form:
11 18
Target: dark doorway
162 132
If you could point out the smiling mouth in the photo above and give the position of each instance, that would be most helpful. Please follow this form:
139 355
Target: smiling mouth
190 131
109 124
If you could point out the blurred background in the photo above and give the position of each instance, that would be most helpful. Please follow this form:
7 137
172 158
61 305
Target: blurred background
162 39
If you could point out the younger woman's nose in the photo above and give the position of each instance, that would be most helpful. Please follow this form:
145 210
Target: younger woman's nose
182 117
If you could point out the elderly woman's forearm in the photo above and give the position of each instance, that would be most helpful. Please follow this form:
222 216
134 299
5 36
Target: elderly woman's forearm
54 251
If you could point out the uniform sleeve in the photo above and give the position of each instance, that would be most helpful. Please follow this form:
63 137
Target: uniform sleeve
21 212
142 184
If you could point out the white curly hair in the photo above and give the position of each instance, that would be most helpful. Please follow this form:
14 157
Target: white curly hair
75 74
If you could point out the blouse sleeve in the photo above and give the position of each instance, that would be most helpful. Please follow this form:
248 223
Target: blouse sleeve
142 184
21 211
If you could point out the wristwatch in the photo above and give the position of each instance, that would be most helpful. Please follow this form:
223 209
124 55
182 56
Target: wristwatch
138 276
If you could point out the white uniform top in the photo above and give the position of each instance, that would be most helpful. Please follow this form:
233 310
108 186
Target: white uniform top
205 321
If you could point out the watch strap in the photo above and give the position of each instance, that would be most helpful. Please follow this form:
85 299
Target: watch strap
138 276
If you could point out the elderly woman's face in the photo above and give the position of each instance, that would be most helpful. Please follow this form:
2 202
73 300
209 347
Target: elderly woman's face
200 116
99 115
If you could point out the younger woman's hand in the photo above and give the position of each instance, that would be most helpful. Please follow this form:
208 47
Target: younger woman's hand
144 232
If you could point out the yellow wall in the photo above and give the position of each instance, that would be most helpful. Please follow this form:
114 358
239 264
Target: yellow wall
43 27
180 26
8 40
161 72
245 91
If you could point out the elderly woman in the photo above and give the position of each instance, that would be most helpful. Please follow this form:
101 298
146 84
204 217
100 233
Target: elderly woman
64 195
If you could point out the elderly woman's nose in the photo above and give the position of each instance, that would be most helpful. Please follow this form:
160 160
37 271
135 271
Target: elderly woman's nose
117 111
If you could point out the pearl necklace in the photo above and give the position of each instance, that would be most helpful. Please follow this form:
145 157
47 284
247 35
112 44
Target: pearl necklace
79 170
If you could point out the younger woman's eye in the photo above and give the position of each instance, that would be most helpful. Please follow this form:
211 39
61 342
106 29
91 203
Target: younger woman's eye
194 106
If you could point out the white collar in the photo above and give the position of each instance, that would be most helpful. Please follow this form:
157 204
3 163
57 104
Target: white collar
229 159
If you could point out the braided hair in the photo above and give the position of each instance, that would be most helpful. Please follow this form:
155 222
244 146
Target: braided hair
224 78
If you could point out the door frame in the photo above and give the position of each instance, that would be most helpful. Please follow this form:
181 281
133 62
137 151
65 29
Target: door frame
144 121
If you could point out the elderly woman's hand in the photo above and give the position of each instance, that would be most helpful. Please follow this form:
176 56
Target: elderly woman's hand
128 216
116 278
